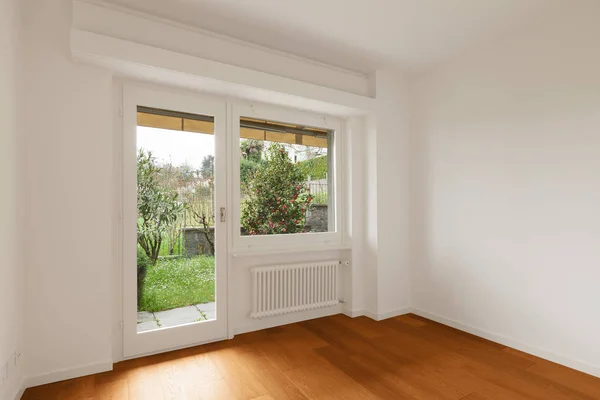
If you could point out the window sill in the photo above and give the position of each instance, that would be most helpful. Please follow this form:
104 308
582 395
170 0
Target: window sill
262 251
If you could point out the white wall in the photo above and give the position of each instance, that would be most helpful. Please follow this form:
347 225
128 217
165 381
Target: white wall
70 230
506 151
158 33
11 276
368 216
73 277
392 166
381 216
68 199
379 209
501 162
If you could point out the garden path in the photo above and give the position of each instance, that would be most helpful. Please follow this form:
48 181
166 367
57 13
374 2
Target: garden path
148 321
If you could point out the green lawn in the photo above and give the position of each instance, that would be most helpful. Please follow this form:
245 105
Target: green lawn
320 198
179 282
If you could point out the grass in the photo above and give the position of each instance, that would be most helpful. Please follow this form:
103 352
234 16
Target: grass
164 246
320 198
178 282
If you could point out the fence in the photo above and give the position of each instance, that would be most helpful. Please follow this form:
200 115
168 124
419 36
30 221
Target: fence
198 207
320 190
202 204
197 240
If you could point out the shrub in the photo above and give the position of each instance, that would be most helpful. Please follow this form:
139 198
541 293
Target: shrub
247 169
316 167
143 262
278 196
158 205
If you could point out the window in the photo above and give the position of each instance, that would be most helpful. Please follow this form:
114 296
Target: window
286 192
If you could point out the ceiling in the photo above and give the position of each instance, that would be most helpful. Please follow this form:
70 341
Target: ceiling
359 35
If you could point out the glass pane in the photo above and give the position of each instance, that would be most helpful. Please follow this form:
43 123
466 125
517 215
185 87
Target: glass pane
175 225
285 178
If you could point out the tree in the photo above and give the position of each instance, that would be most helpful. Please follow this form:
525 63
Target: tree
200 205
179 179
252 149
207 170
158 205
278 196
251 159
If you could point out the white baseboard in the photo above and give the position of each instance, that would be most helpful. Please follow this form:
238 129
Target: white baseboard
389 314
68 373
542 353
20 390
271 322
13 387
354 313
299 317
377 317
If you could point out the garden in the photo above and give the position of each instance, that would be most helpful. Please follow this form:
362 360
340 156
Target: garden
276 199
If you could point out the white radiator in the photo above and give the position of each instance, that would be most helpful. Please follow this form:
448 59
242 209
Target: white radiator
281 289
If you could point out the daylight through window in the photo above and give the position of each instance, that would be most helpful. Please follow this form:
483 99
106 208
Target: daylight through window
285 178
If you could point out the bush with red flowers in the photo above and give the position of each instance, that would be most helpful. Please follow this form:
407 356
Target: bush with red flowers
278 197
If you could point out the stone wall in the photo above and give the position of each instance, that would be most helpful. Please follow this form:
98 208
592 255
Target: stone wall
317 219
196 243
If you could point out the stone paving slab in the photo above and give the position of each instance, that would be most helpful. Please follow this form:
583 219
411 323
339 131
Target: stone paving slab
178 316
144 316
207 306
147 326
210 315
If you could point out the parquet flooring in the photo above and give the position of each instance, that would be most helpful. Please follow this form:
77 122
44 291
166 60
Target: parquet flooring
337 357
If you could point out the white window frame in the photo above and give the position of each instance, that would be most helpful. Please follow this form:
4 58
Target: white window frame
294 240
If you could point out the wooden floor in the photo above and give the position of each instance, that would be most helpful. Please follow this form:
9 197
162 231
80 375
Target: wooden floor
407 357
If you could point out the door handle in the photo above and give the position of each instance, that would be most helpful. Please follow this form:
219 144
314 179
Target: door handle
222 214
